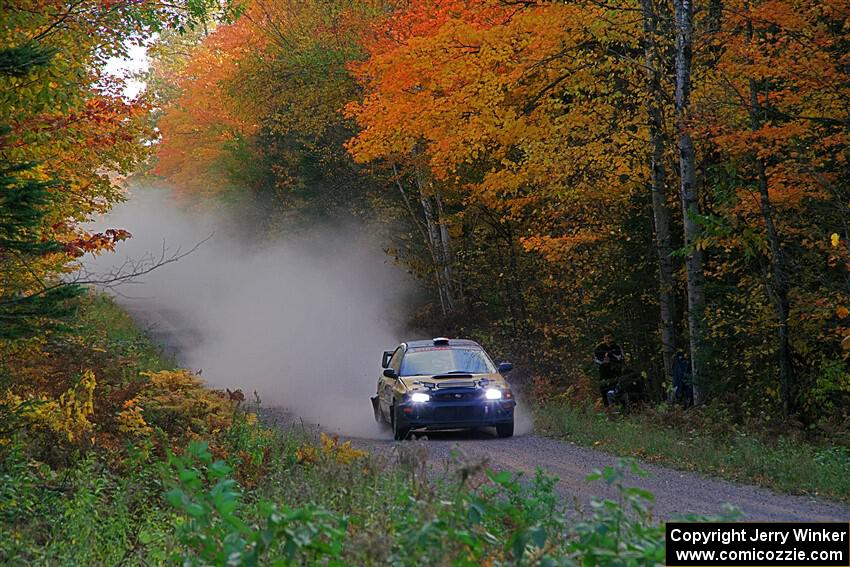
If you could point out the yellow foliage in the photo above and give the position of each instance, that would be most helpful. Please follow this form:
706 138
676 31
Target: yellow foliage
342 453
130 419
177 402
331 449
77 404
307 454
69 415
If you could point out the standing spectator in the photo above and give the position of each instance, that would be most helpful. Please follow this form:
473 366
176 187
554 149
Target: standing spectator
683 388
608 356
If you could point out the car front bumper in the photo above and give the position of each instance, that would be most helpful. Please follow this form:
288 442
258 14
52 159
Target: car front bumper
452 414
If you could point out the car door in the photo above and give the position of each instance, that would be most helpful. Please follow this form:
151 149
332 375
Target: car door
387 384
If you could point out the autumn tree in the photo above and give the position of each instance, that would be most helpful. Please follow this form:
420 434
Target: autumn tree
656 19
257 112
69 118
772 113
68 135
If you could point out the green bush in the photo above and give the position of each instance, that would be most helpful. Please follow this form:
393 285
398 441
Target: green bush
214 529
472 517
85 514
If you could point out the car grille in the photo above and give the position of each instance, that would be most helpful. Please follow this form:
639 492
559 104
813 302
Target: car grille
456 396
461 413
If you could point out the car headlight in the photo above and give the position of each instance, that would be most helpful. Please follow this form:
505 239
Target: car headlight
493 394
419 397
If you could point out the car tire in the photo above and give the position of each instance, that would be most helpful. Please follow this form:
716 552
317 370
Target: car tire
399 433
504 430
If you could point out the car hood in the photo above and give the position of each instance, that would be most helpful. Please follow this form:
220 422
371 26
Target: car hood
494 380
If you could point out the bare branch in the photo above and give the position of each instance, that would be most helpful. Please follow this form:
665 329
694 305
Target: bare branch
127 273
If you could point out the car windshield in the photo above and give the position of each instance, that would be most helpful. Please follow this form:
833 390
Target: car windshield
445 360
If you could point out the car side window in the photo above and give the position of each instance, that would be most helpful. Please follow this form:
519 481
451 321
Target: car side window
395 361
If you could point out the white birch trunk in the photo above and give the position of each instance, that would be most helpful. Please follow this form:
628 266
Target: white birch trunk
689 195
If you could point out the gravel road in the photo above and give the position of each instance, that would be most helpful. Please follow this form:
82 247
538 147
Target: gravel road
676 492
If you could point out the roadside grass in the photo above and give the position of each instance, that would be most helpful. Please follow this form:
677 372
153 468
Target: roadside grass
92 499
111 330
89 513
786 464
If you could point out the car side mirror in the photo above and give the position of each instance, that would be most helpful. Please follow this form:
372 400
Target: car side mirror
385 360
505 367
390 373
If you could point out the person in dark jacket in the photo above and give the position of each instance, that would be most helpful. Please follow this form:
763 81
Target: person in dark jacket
683 387
609 357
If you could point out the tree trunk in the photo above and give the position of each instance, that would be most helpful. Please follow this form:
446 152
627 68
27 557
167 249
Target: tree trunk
689 194
777 285
424 231
778 292
438 238
447 255
660 210
513 288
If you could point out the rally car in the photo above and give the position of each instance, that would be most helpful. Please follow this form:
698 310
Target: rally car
443 384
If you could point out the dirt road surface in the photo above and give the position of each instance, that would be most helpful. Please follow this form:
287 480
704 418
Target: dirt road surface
677 492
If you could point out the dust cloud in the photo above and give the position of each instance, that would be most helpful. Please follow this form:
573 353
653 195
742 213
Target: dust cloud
523 422
302 320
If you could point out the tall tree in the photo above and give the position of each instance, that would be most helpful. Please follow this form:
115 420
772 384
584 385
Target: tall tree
778 279
689 194
655 95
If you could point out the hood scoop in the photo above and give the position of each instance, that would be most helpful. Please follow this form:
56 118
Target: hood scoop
456 384
452 375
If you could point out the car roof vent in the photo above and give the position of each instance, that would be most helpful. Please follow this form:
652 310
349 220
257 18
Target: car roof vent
441 341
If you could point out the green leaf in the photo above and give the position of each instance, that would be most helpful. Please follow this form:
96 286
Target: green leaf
538 536
176 497
219 469
187 475
195 510
503 477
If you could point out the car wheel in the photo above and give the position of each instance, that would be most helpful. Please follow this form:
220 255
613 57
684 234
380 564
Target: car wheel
399 433
505 429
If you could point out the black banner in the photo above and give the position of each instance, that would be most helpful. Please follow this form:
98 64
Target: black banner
759 544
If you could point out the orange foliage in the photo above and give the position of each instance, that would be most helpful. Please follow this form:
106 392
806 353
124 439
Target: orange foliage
791 52
197 127
488 88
